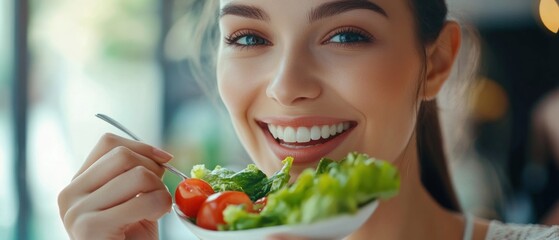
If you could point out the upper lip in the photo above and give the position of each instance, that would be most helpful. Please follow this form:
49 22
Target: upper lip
307 121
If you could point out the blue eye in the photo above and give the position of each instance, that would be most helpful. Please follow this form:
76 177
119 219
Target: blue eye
350 36
250 40
246 39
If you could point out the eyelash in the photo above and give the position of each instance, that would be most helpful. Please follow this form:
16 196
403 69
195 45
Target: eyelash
366 37
232 39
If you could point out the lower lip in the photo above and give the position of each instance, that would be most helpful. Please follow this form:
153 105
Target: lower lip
306 154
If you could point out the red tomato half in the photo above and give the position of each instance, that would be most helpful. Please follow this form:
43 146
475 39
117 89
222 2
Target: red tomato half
190 194
211 213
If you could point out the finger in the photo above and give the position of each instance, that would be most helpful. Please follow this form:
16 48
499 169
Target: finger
114 163
110 141
112 222
147 206
124 187
117 191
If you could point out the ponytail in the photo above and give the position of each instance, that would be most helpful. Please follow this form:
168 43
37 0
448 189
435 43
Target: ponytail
434 170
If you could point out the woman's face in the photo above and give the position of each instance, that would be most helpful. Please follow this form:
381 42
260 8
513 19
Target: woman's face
314 78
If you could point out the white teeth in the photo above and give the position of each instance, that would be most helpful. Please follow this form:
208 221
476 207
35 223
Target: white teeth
325 132
303 135
289 135
340 127
272 129
306 134
279 133
315 133
333 130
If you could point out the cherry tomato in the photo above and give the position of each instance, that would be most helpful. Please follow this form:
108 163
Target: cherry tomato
260 204
190 194
211 213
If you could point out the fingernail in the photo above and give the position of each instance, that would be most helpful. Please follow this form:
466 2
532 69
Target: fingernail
162 155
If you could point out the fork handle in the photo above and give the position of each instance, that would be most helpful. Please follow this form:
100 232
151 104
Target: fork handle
133 136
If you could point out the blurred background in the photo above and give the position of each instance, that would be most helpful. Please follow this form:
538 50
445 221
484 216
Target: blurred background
63 61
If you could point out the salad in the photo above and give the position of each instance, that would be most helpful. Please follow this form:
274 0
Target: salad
221 199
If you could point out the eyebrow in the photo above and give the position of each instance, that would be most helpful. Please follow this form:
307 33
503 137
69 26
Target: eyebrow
337 7
323 11
242 10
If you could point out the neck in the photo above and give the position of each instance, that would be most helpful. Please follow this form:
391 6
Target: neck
413 213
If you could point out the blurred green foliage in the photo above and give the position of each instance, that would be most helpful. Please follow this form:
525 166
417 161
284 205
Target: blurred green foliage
131 33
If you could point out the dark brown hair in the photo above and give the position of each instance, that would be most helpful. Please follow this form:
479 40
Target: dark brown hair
430 17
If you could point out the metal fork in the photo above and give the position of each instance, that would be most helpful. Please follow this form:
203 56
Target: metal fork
133 136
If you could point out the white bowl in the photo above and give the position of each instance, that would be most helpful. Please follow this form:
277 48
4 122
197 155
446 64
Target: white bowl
336 227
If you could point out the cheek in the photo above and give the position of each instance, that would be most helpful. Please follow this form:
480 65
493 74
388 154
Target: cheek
241 91
390 110
240 80
383 91
388 86
229 88
236 93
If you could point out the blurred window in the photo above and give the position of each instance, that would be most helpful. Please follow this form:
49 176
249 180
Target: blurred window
7 193
88 57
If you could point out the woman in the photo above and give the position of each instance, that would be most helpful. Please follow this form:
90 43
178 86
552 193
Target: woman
287 70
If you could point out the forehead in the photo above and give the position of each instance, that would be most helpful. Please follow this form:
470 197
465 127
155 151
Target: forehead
398 8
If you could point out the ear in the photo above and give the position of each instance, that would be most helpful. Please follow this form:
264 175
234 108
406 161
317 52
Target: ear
441 55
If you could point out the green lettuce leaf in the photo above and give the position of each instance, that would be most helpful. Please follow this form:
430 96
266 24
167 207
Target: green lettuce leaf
250 180
333 188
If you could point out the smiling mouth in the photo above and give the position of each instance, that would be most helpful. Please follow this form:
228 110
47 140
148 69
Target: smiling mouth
306 137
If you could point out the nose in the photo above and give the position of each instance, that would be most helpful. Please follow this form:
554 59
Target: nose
295 80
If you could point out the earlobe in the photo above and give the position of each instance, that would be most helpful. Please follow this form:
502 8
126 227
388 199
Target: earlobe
441 56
